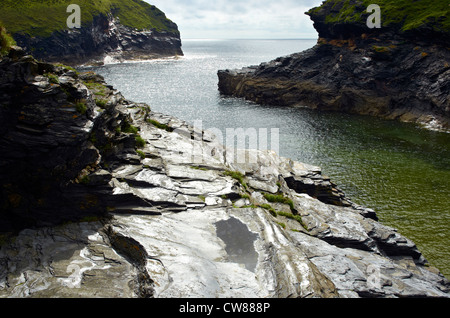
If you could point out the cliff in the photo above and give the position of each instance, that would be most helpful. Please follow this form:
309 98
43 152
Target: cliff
102 197
122 29
400 71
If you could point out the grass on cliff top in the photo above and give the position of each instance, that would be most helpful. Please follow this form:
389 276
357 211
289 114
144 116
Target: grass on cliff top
408 14
43 17
6 41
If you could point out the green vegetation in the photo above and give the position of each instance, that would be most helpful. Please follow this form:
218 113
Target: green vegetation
127 128
291 216
81 107
157 124
198 168
380 49
67 68
43 17
237 176
101 102
282 225
406 14
53 78
96 88
295 217
269 208
141 154
140 142
6 41
279 198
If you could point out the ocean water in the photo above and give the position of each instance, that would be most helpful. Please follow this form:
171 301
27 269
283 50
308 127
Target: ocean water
400 170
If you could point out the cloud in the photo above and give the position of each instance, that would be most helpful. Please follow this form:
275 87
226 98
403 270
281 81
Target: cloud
240 19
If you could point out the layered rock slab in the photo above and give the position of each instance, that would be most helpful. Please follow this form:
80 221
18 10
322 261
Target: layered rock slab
180 252
171 220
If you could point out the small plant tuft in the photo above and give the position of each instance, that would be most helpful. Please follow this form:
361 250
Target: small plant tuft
6 41
81 107
140 142
237 176
157 124
279 198
101 103
141 154
52 78
127 128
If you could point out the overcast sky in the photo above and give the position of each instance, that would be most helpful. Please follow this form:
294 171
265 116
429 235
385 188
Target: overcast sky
240 19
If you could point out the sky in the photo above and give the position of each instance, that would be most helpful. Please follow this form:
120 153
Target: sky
237 19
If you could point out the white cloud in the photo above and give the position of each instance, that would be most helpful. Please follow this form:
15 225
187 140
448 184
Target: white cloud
240 19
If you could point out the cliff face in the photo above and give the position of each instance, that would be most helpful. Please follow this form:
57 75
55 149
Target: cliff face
104 198
392 72
104 37
102 32
53 133
423 21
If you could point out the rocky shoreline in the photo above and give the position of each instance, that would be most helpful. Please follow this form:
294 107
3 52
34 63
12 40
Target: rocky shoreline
102 197
353 69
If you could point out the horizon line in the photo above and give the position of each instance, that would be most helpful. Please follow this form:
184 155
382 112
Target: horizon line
240 39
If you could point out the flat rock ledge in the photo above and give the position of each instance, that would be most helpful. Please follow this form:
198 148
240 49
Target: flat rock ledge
185 219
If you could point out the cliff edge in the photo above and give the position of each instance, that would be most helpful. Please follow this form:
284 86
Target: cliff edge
399 71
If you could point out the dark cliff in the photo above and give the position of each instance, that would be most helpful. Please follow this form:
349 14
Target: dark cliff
57 127
122 29
395 72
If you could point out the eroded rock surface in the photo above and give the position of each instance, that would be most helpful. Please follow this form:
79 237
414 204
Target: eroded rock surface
166 211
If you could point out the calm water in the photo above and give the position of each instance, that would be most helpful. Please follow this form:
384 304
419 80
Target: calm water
399 170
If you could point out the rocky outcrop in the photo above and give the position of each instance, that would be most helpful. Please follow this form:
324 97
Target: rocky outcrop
104 38
354 69
124 202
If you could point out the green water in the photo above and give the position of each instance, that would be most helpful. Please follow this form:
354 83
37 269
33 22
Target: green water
399 170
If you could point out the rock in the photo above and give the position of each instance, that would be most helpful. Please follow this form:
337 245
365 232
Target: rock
16 52
103 39
185 221
385 73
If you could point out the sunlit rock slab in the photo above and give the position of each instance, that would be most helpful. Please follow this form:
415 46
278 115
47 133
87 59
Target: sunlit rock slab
223 253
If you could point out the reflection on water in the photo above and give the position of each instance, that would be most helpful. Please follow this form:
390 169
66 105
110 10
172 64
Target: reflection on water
399 170
239 242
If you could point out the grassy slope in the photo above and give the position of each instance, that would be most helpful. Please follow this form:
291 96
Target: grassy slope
43 17
408 14
6 41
